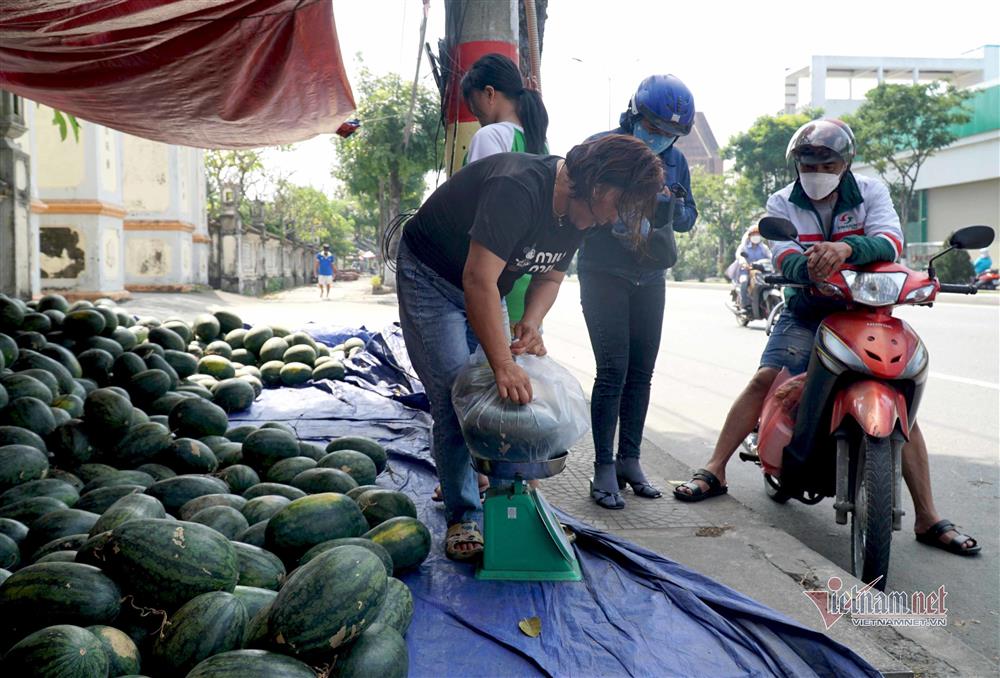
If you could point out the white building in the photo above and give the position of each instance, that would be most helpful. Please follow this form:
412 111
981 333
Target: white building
959 185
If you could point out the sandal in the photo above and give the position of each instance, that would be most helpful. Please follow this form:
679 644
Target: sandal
715 488
630 473
604 488
462 534
932 537
484 484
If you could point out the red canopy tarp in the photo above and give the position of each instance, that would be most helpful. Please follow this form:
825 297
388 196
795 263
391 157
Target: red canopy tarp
206 73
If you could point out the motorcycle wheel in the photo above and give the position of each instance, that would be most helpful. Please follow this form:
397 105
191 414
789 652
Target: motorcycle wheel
871 520
772 487
741 318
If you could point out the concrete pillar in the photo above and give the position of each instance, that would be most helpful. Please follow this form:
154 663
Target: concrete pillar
818 82
228 245
18 229
472 28
80 182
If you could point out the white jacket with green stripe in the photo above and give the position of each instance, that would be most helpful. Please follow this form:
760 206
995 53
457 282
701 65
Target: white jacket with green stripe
500 137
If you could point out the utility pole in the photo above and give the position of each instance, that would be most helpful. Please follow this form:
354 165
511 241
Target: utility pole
473 28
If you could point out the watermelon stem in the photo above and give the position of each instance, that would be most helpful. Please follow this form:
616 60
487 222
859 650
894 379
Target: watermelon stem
146 611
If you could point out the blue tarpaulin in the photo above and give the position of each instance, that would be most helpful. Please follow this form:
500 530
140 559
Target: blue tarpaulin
635 614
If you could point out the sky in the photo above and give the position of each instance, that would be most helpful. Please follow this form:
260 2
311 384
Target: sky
733 56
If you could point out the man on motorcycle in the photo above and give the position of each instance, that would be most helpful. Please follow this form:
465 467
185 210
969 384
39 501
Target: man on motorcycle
983 263
752 250
841 218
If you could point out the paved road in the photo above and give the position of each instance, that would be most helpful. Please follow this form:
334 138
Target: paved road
705 360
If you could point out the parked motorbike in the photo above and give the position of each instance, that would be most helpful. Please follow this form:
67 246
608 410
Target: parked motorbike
872 368
766 301
988 280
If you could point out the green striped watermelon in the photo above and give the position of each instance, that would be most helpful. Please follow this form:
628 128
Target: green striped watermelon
206 625
60 651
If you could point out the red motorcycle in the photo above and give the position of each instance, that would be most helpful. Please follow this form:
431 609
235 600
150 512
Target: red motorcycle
859 398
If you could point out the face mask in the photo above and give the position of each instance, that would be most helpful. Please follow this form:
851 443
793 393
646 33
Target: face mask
819 185
657 143
755 239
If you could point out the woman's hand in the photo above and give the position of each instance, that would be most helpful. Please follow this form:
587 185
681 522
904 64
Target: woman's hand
527 339
513 383
826 258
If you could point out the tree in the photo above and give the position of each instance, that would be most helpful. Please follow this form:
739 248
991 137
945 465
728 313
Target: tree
245 169
760 151
372 162
695 255
309 215
726 208
899 127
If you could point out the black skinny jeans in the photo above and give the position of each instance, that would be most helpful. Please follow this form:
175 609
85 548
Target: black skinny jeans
624 321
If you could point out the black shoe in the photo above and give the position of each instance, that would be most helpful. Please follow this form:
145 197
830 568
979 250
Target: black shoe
630 473
604 488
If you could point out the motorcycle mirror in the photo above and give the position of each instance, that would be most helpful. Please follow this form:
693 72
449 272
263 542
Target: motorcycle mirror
776 228
971 237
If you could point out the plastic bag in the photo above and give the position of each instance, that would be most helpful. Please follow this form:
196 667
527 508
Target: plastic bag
494 428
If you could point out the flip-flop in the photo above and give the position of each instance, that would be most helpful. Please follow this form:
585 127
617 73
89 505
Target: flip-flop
460 534
715 488
932 537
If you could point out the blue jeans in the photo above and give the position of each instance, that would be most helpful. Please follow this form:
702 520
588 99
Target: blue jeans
439 341
790 344
624 320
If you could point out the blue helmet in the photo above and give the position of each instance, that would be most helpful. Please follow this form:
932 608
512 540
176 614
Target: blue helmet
666 103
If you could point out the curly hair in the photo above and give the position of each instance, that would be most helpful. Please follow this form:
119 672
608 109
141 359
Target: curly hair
617 161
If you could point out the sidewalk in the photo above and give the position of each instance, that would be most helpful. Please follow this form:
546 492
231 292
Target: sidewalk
720 538
730 543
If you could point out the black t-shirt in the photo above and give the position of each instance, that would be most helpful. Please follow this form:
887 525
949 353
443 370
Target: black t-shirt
504 203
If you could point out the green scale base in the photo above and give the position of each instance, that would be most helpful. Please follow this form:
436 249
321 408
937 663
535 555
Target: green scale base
524 540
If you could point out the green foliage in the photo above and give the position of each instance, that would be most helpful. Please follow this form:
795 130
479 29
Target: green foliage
384 177
954 267
695 255
311 216
66 122
727 206
244 168
899 126
760 151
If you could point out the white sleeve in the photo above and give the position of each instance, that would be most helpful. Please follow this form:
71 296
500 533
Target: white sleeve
881 219
488 141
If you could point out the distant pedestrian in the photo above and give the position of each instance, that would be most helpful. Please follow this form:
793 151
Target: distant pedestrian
325 270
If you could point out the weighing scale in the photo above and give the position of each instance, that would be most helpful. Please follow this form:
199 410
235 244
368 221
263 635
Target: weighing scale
524 541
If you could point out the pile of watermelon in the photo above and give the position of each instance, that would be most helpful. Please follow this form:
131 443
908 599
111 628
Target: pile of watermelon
140 534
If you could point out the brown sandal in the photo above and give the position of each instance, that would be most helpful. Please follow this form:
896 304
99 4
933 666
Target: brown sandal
461 534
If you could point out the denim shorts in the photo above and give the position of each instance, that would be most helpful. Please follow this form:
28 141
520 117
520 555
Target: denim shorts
790 344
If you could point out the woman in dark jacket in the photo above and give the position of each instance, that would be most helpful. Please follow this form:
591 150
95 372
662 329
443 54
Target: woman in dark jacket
622 290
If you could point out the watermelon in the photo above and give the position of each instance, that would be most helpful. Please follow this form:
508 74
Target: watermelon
158 362
13 435
216 366
101 499
206 327
311 520
88 472
60 651
230 454
235 337
96 364
361 489
255 535
148 385
228 321
184 364
356 464
71 403
70 445
125 339
167 338
83 323
20 464
406 539
129 507
270 373
44 487
267 446
10 554
331 369
175 492
272 350
280 426
259 567
28 359
243 357
224 519
301 353
285 470
380 505
67 544
158 471
141 444
56 557
251 664
219 348
255 338
262 489
328 602
206 625
28 511
263 507
379 551
295 374
107 414
14 529
165 563
238 434
254 599
314 452
233 395
30 413
397 610
187 455
198 503
316 480
239 477
380 651
366 446
56 524
198 418
58 593
118 478
123 655
20 385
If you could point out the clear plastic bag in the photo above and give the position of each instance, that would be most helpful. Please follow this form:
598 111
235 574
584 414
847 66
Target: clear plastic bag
556 418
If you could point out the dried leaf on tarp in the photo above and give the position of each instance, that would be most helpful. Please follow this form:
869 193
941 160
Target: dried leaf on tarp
531 627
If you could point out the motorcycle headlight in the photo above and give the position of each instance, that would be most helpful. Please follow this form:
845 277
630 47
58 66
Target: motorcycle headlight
916 364
875 289
831 346
920 294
